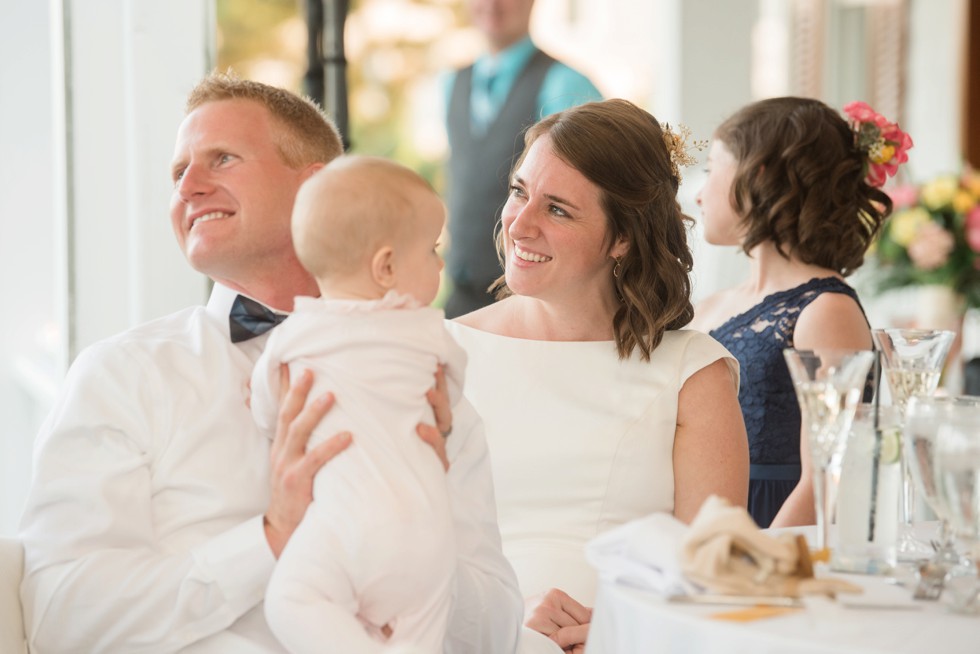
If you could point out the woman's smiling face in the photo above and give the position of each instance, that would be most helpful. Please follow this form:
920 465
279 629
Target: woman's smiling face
555 231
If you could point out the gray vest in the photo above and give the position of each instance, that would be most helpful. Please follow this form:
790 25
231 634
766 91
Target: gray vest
479 170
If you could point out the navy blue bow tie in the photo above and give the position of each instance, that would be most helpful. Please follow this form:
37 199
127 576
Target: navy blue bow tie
249 319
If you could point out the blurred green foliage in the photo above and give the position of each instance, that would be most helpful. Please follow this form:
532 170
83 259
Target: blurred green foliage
381 75
247 28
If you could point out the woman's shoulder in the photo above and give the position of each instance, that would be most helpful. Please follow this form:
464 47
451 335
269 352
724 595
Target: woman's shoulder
834 319
690 342
690 350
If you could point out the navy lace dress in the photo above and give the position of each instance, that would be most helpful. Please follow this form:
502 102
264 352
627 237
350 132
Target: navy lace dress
757 338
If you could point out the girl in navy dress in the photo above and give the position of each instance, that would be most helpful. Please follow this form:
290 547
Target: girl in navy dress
795 185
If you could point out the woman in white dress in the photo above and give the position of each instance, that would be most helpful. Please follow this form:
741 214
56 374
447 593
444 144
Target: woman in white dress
598 408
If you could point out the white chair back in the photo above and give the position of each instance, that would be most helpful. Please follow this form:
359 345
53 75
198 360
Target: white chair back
12 638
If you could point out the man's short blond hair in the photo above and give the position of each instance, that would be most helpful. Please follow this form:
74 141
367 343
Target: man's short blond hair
307 136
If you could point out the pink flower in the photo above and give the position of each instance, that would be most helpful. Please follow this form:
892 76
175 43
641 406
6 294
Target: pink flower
901 142
931 247
877 174
973 240
860 112
903 196
885 145
973 229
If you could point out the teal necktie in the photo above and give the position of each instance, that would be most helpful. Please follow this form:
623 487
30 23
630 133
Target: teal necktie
483 110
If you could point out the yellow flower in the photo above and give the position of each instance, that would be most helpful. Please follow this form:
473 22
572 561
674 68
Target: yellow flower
939 192
881 154
963 201
971 181
906 224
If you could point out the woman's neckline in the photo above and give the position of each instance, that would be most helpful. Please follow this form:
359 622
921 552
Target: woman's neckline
456 323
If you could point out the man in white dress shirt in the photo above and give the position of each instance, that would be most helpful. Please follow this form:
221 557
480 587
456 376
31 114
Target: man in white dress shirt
157 507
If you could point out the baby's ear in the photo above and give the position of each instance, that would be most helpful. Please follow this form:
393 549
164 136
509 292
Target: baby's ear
383 267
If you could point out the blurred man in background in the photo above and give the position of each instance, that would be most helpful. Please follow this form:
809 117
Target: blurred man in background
491 103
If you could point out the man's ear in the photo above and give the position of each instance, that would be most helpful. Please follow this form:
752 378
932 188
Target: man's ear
308 171
383 267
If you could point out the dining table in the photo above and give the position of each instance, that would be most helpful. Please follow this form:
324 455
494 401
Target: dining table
883 618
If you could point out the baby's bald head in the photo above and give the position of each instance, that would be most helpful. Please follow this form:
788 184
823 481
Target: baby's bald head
352 207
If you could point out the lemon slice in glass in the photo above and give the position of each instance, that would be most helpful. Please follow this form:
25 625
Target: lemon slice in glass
891 445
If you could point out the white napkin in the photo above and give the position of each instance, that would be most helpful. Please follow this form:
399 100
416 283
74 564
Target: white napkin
643 553
723 551
726 552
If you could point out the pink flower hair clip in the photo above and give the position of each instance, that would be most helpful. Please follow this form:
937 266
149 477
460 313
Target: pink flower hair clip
884 145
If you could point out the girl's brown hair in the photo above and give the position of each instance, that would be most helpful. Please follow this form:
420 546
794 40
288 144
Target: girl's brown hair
799 182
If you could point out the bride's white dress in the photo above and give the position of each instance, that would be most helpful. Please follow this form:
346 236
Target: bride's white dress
580 442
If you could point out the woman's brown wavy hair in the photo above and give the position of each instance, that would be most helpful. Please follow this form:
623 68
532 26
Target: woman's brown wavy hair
620 148
799 182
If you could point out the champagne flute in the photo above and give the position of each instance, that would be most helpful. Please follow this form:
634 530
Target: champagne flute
829 384
912 360
957 466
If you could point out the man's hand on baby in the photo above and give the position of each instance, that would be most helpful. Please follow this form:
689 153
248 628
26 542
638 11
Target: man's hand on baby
560 618
292 468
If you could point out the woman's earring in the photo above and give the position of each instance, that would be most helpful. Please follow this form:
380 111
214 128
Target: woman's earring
618 268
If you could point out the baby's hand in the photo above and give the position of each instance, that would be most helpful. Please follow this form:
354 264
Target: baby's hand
436 440
438 397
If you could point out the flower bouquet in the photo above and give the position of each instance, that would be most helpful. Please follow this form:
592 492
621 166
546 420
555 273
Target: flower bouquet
933 237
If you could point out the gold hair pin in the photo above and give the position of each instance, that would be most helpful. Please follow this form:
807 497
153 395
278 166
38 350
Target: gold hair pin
680 149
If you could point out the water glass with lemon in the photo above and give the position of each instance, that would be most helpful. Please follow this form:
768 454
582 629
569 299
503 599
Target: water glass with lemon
869 488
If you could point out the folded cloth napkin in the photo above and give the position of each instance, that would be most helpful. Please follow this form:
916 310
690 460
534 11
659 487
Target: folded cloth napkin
725 552
643 553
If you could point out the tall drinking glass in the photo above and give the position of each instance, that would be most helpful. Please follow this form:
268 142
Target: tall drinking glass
957 468
828 384
923 418
869 487
912 362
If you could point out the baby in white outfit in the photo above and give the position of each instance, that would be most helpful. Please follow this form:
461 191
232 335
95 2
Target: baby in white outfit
375 548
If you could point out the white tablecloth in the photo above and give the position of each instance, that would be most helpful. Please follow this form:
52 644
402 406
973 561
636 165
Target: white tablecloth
627 620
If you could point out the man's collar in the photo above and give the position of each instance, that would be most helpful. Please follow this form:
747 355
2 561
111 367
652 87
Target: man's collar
219 304
506 62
